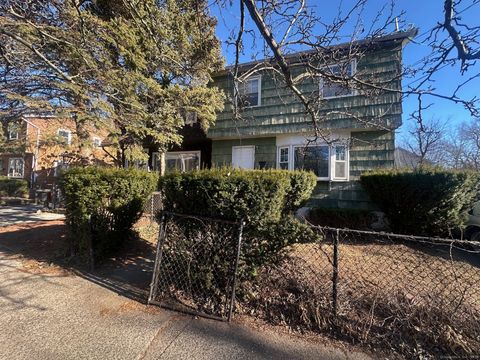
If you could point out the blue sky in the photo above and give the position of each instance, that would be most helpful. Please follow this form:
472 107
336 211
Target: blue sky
423 14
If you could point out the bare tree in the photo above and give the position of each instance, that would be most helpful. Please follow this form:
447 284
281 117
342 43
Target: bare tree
426 139
462 149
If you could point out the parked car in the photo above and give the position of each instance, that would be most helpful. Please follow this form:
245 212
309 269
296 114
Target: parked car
473 223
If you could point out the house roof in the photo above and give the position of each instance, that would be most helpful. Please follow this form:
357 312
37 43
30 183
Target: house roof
404 158
397 37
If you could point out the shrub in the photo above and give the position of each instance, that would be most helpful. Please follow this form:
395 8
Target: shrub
341 218
427 201
102 204
264 199
255 196
13 187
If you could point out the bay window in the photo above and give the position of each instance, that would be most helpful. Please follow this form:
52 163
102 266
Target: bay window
328 162
313 158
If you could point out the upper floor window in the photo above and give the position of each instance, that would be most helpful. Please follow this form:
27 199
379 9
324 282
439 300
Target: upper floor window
97 142
13 131
249 92
16 167
330 88
65 136
190 117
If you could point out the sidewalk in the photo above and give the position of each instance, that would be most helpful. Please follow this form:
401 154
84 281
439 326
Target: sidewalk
10 215
47 313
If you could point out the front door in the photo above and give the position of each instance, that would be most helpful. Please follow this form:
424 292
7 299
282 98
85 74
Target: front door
243 157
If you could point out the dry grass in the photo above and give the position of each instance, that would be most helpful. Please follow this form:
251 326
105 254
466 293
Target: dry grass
416 301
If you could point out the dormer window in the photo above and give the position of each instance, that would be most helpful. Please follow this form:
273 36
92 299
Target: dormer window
329 88
249 92
65 136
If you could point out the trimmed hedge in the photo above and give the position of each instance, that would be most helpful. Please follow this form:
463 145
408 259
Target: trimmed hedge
102 205
13 187
255 196
427 201
264 199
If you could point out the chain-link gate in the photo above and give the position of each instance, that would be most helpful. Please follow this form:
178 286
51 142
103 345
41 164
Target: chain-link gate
196 264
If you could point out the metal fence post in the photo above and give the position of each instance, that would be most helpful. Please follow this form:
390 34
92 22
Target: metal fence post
158 257
91 258
335 272
152 204
232 298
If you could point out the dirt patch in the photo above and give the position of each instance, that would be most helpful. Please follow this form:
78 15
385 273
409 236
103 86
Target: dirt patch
392 296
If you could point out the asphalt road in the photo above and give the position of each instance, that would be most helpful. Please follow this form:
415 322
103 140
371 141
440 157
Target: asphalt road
46 313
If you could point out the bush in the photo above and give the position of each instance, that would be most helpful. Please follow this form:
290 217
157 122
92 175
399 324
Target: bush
13 187
342 218
102 205
255 196
427 201
264 199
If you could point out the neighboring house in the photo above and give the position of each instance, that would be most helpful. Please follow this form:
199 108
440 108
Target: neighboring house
404 158
37 146
276 133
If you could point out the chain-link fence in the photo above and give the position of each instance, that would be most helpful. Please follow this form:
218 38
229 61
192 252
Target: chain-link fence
390 290
195 265
407 293
153 206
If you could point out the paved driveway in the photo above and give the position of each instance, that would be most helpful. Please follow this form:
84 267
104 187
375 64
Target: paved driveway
10 215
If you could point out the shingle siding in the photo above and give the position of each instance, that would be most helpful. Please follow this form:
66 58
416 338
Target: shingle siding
281 112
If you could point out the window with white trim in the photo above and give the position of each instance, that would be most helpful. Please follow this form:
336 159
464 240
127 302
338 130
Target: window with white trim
329 88
96 142
13 131
283 158
65 136
329 163
16 167
249 92
191 118
156 159
313 158
340 162
182 161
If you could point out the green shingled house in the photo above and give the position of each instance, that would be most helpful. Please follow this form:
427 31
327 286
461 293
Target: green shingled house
275 132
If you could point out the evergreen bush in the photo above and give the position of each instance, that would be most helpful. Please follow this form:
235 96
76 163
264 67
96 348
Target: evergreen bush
13 187
102 205
264 199
426 201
